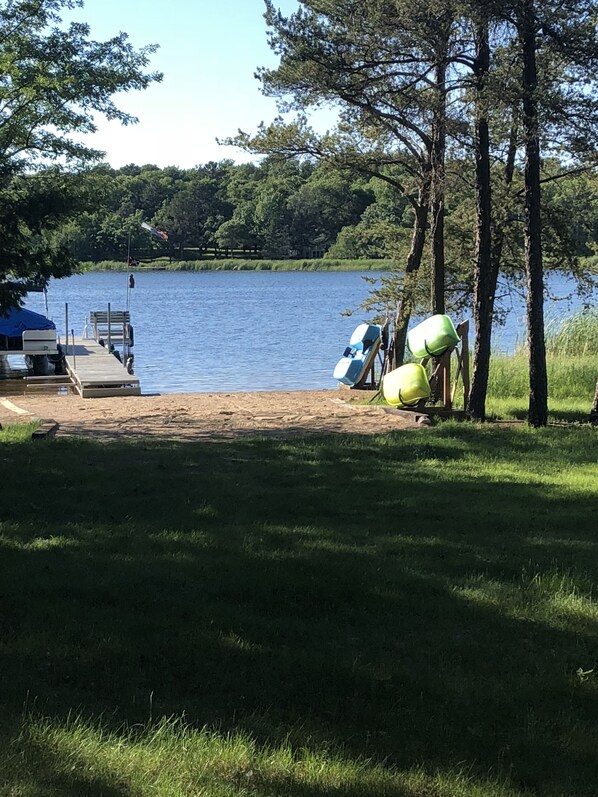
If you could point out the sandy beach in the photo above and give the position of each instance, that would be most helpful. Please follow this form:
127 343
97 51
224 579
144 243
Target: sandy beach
204 415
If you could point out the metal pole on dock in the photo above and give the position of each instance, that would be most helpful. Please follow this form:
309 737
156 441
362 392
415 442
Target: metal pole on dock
74 355
109 335
66 327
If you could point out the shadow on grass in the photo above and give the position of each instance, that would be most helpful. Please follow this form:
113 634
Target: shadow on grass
568 416
382 595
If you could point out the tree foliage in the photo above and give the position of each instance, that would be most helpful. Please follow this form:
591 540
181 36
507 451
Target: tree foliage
53 80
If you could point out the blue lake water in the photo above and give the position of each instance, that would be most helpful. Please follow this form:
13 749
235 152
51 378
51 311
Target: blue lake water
240 330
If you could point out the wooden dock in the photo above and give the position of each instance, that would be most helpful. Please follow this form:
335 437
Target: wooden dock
97 373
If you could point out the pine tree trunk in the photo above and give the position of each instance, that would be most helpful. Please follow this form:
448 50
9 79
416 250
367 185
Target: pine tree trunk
593 417
486 267
414 259
498 235
437 210
538 399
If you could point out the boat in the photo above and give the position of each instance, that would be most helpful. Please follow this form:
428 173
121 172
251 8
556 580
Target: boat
32 336
432 337
358 357
406 386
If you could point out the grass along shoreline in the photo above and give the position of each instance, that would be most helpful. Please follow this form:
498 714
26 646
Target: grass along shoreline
265 264
571 365
238 264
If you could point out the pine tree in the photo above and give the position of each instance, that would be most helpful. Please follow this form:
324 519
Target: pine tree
385 66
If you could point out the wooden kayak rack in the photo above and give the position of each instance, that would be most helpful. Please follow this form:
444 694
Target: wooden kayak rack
443 385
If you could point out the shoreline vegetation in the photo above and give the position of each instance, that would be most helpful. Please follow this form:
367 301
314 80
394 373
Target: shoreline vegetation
572 367
241 264
589 264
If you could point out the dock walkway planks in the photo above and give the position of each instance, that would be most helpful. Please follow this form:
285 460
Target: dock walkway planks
96 373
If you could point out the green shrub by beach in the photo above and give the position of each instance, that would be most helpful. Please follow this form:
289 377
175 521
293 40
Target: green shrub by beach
17 432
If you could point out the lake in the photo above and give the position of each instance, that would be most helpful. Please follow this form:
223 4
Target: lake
231 331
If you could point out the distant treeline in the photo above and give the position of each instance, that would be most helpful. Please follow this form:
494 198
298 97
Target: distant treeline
284 210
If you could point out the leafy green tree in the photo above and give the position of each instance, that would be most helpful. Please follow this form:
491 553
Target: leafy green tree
148 190
241 186
236 233
325 203
83 234
272 214
383 230
54 81
197 209
31 209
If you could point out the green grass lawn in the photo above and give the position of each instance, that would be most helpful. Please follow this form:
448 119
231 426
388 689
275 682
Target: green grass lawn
411 615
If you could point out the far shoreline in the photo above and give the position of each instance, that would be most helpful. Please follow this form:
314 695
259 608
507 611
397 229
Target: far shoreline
265 264
241 264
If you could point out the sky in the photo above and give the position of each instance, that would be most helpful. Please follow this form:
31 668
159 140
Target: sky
209 51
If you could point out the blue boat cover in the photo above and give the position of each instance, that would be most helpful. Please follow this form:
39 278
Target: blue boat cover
17 321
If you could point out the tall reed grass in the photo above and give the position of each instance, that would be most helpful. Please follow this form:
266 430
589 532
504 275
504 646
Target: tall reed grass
238 264
568 377
571 364
575 336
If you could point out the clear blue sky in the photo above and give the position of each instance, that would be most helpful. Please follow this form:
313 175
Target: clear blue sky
209 51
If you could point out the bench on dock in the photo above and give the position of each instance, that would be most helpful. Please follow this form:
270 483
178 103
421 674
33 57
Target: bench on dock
115 326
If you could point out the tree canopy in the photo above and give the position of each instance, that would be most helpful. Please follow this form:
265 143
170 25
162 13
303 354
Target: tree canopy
53 81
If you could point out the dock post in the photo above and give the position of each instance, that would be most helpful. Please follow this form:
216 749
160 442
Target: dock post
66 327
109 335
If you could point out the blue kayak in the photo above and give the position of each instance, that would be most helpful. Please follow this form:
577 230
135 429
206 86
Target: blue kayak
359 355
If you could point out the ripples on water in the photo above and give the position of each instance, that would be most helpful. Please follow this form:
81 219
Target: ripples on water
232 331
